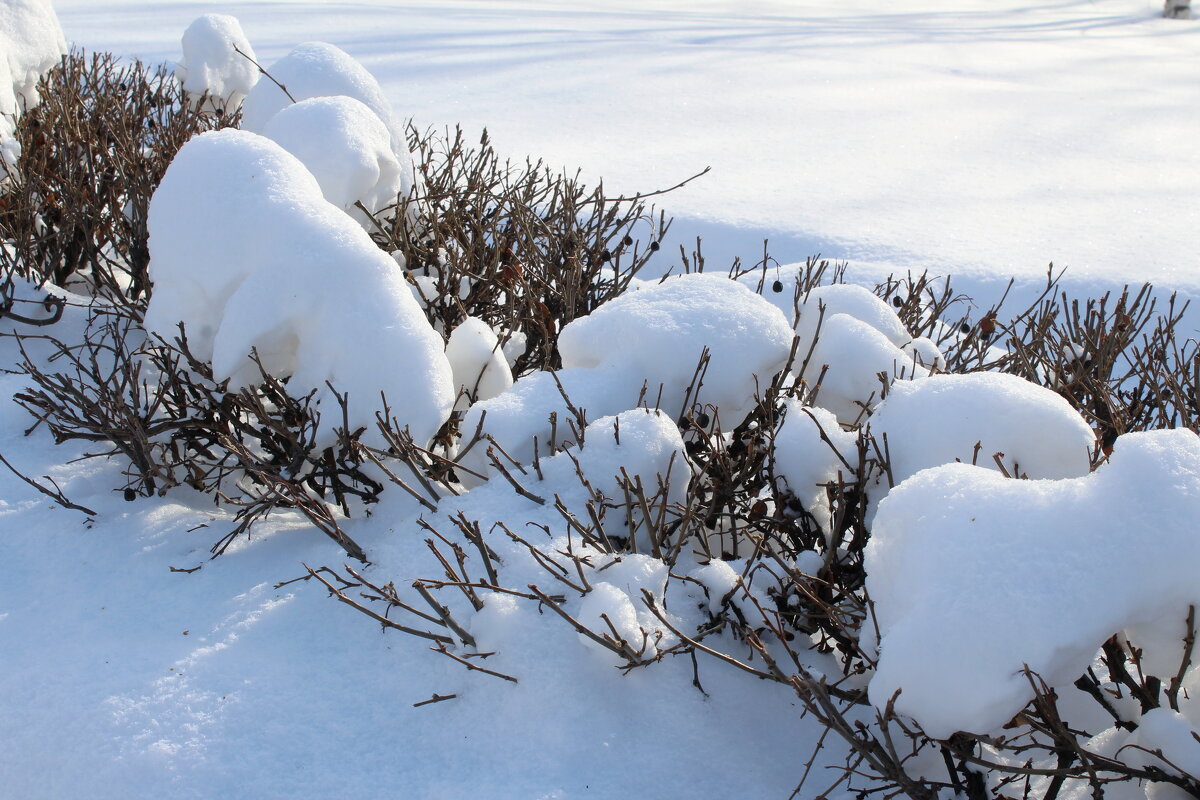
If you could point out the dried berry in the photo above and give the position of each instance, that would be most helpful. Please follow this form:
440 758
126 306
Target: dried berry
130 495
777 287
654 247
965 328
628 241
702 420
897 302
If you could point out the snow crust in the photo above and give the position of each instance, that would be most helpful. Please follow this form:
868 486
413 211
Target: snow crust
347 148
647 338
976 576
247 253
318 69
211 62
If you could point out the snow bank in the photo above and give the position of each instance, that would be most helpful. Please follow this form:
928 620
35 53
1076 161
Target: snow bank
974 576
247 253
480 369
348 150
939 419
317 69
649 338
211 62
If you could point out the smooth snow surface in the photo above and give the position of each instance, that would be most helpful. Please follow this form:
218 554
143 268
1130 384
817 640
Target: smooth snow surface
975 576
981 137
247 254
217 60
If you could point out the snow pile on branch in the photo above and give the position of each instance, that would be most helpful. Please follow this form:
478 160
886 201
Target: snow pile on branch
317 69
851 334
811 450
480 369
31 42
247 253
940 419
975 576
645 339
348 150
211 62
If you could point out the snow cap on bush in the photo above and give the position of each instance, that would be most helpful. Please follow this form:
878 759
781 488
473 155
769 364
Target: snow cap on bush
649 337
211 62
247 253
975 576
32 42
318 69
346 147
657 334
855 354
939 419
810 450
480 370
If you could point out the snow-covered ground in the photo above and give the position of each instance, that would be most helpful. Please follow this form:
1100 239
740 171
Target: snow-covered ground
980 138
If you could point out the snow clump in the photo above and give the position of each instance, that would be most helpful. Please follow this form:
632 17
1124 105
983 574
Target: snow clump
247 253
31 42
211 64
348 150
480 369
811 449
318 69
645 339
939 419
975 576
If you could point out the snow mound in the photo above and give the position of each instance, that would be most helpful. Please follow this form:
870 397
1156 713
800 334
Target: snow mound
480 369
855 354
974 576
939 419
346 147
646 338
247 253
656 335
318 69
211 62
807 461
31 42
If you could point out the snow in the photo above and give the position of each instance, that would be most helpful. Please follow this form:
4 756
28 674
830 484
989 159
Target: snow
480 369
624 351
247 254
812 450
31 42
975 576
348 150
218 60
319 69
985 140
940 419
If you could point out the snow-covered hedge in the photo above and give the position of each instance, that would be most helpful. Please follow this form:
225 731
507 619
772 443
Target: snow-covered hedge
961 543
